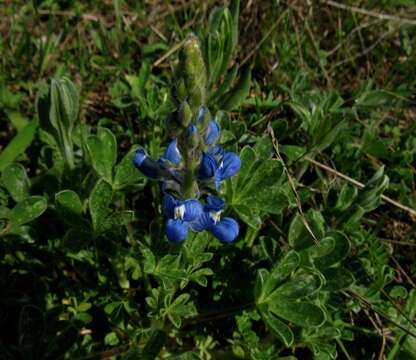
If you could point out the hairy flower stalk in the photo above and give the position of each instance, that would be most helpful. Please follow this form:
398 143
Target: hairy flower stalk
193 165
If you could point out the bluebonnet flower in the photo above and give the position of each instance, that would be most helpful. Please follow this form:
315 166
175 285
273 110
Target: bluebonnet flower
180 214
147 165
225 229
212 132
176 230
172 153
219 165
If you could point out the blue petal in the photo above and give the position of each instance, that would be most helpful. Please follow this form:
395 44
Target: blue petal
203 222
230 165
214 204
176 230
216 152
201 114
139 157
193 209
218 179
191 130
226 230
212 132
146 165
208 167
168 205
172 153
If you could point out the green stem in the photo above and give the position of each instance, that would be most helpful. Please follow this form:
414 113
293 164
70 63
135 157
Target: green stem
189 181
344 350
251 235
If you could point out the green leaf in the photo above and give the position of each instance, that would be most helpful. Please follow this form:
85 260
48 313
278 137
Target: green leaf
250 217
279 328
293 152
375 146
337 278
346 197
300 313
261 279
117 219
27 210
331 250
299 236
16 182
18 145
99 202
64 104
126 174
297 288
18 121
69 207
235 97
258 187
111 339
280 272
103 151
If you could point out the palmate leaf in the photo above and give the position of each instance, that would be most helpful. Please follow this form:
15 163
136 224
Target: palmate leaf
258 188
321 341
266 282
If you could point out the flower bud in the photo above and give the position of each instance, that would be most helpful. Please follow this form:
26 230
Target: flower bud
185 114
172 153
192 70
147 165
192 137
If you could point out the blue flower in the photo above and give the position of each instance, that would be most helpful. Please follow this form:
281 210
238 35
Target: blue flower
187 210
176 230
212 132
226 230
180 214
214 203
230 165
208 166
147 165
219 165
172 153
